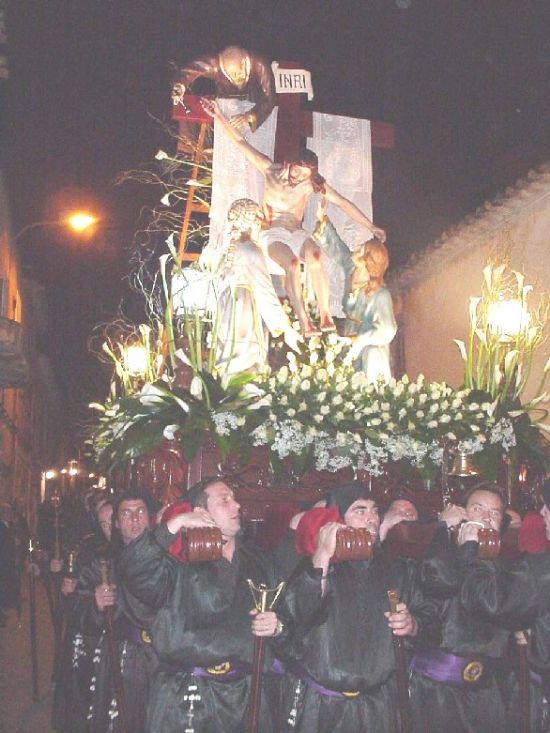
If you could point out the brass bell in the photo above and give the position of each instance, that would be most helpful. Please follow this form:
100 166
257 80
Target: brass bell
463 465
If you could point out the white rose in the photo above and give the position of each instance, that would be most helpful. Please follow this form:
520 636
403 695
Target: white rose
322 375
306 384
282 375
337 399
318 418
314 358
324 410
445 418
432 424
375 421
291 412
339 416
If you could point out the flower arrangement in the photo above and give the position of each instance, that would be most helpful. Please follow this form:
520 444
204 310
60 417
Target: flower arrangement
317 412
504 334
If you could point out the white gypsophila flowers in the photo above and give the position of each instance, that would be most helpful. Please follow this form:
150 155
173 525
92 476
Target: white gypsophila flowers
503 433
224 422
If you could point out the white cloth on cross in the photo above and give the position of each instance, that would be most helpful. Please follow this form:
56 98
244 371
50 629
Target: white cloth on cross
233 177
343 146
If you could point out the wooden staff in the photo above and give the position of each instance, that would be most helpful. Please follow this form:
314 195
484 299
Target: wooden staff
400 671
262 601
32 612
524 690
114 655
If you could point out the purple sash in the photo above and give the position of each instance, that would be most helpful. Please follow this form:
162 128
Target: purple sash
448 668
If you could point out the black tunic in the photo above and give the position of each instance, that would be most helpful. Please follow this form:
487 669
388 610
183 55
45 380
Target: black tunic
203 622
342 640
517 597
74 668
469 708
137 658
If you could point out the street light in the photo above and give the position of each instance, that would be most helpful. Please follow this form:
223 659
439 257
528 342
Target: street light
78 221
81 220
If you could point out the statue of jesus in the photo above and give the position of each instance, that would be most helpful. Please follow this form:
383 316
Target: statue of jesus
288 187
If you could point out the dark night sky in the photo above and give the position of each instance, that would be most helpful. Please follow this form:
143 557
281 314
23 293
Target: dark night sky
466 82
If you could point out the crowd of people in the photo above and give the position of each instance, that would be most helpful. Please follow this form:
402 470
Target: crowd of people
159 641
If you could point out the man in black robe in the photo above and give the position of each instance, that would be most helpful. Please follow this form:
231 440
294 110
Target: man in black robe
236 73
202 631
459 686
72 697
518 597
133 510
341 655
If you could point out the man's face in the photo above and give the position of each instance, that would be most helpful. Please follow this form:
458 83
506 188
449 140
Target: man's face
223 508
298 174
363 514
132 519
485 507
104 519
545 514
405 509
237 68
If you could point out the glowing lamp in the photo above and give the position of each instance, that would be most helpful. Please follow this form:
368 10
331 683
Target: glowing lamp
80 221
508 317
73 471
50 473
136 360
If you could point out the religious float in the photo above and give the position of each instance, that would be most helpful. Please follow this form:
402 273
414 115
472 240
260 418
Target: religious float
267 354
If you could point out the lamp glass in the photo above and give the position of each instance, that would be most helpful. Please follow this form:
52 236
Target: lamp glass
508 317
136 359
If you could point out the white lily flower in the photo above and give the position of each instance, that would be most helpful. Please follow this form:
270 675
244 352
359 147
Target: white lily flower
196 387
170 431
